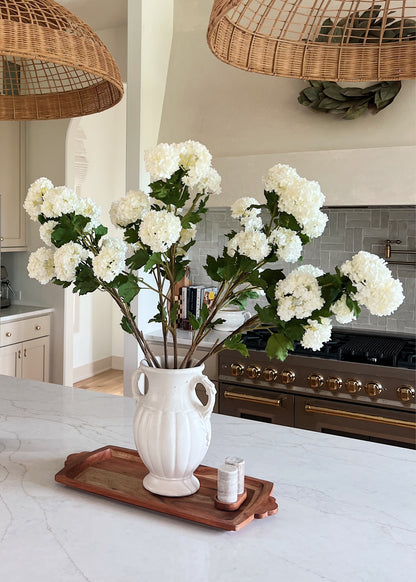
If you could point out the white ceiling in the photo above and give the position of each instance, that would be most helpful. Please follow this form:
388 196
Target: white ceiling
99 14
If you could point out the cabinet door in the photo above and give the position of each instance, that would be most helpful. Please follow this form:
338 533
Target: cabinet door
12 186
11 360
35 361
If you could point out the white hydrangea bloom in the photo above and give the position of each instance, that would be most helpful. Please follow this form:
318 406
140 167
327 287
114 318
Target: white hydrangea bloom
162 161
240 208
194 157
160 229
41 265
310 270
111 260
210 183
299 294
251 221
314 225
376 288
342 312
132 207
251 243
279 176
58 201
187 234
288 244
67 259
34 198
45 231
88 208
316 334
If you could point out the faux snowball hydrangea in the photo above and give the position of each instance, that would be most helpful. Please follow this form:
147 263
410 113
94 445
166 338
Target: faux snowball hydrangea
278 177
194 157
342 312
131 208
240 208
299 294
316 334
111 260
41 265
299 197
251 243
376 288
88 208
45 231
288 246
34 198
58 201
210 183
67 258
162 161
160 229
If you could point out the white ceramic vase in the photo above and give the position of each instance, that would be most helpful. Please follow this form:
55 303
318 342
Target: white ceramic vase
233 318
172 428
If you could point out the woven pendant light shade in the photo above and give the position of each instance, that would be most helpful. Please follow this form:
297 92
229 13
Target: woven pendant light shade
52 65
329 40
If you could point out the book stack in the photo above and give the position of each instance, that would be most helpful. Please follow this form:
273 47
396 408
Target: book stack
192 299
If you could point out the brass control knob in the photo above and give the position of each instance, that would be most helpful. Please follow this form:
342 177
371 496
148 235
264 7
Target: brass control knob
316 381
269 374
287 377
237 369
373 389
353 385
253 372
333 383
405 393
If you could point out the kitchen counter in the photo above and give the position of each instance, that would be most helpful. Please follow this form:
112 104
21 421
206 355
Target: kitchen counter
16 312
346 507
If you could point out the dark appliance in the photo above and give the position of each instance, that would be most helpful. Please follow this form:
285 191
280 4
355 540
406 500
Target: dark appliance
360 385
6 288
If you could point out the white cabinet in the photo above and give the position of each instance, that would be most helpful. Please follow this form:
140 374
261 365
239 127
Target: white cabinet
12 186
24 348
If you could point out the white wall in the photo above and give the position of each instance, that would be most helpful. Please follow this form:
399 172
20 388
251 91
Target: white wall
238 114
45 156
96 161
150 29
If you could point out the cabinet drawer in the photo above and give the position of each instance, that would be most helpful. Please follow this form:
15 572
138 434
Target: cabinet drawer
26 329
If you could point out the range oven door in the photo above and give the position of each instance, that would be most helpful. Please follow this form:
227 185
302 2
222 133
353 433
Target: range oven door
356 421
256 404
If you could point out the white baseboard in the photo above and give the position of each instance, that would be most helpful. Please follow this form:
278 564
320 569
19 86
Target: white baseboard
91 369
117 362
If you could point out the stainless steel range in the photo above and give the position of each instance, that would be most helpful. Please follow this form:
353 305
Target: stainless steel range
358 385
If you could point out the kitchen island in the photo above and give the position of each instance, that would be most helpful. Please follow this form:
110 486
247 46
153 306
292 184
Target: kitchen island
346 507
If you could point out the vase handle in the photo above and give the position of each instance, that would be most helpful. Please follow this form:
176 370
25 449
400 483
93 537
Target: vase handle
210 390
137 394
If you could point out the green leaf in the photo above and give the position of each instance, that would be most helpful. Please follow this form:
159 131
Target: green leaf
278 346
138 260
125 325
267 315
234 343
355 112
129 289
334 93
85 280
173 312
195 323
154 259
68 229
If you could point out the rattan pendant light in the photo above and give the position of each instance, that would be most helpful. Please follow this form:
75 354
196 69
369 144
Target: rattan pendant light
52 64
329 40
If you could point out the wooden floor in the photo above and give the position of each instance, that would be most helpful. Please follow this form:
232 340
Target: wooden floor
110 382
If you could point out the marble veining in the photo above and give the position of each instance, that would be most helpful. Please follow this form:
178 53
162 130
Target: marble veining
346 507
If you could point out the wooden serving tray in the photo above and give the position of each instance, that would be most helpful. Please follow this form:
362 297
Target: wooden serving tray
118 473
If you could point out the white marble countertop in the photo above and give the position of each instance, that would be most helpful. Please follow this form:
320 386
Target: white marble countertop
185 337
346 507
15 312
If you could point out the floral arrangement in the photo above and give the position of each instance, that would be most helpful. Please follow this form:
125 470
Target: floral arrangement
158 230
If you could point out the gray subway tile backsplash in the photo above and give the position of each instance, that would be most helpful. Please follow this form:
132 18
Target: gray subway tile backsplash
348 231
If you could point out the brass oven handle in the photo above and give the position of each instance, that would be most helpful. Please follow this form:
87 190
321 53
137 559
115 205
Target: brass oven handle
358 416
257 399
